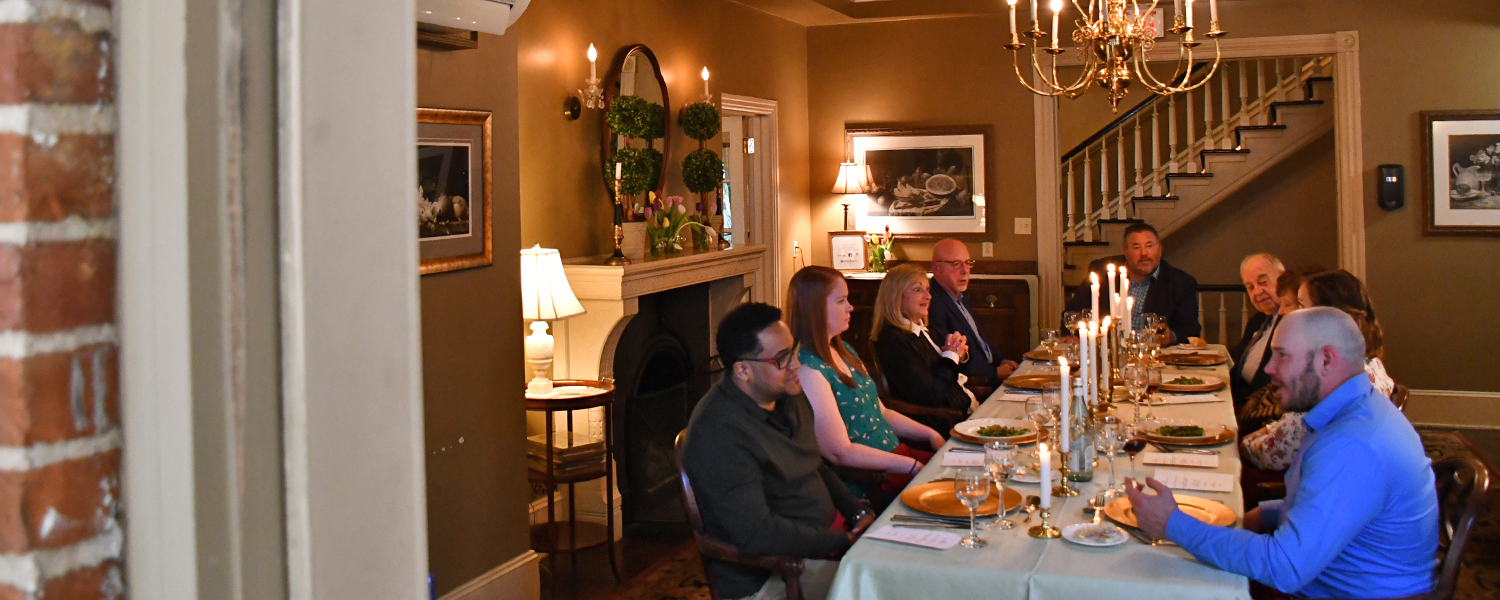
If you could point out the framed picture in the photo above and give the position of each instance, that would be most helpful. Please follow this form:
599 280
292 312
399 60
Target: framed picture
849 251
1461 168
924 182
454 177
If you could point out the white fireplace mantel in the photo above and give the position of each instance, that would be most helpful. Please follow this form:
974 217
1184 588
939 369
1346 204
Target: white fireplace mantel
585 345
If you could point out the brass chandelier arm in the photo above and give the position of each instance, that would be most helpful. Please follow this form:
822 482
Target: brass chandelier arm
1054 88
1186 75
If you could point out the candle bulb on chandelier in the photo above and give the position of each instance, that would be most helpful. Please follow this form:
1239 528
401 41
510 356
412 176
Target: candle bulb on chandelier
1033 14
1213 12
593 56
1012 4
1177 10
1056 10
1189 13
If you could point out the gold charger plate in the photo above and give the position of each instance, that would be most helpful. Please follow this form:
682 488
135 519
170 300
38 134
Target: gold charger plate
980 440
936 498
1202 509
1196 359
1041 355
1210 383
1032 382
1224 436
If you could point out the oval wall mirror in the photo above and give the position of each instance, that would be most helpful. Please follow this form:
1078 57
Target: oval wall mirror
636 128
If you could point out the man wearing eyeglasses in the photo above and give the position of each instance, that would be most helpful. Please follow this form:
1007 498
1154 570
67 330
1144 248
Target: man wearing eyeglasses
951 312
752 457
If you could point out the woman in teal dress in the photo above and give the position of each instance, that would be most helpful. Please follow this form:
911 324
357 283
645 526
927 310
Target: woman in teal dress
854 428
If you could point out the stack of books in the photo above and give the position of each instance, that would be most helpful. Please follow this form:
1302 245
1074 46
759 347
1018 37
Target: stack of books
572 453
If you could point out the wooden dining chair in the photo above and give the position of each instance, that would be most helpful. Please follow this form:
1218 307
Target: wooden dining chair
1399 396
1461 484
709 548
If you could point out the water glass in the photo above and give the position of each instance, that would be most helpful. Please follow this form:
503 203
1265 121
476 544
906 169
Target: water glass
972 487
1038 410
1000 460
1108 441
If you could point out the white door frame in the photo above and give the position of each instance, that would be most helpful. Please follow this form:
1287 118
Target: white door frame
764 182
1348 149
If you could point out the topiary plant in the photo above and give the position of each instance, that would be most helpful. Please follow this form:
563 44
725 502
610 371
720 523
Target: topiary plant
640 171
700 120
629 116
702 171
658 116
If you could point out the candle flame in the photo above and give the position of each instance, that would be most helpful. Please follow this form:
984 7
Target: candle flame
1062 362
593 54
1042 447
1106 321
1094 278
1056 5
705 73
1011 2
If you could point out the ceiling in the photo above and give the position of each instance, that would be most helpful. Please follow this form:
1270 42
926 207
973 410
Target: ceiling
812 13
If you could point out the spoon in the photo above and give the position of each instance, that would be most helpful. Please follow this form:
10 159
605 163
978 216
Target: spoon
1032 502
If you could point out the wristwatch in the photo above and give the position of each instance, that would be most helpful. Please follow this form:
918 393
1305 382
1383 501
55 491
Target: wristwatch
861 514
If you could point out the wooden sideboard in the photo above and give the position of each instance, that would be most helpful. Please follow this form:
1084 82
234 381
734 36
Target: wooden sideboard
1002 309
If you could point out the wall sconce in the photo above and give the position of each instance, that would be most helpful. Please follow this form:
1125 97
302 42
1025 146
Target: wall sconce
592 96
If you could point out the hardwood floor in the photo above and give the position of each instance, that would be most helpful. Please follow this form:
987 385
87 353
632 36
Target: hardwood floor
589 578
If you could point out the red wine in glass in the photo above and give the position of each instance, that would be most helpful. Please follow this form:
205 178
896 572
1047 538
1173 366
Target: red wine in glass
1134 445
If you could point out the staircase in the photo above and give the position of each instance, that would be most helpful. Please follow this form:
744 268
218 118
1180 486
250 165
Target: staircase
1170 158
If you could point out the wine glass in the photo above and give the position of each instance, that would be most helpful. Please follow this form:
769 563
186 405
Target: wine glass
972 487
1158 324
1038 411
1000 460
1072 318
1108 442
1135 441
1136 379
1049 340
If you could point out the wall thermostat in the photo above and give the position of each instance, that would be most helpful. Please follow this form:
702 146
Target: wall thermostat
1391 186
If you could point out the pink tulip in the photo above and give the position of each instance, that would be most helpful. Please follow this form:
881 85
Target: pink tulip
648 213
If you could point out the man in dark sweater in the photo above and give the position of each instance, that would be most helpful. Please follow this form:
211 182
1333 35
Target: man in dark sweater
1158 288
752 457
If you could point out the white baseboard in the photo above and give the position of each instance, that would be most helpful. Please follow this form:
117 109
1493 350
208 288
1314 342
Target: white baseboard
1453 408
520 578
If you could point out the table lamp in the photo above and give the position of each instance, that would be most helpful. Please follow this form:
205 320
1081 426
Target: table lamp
853 179
545 296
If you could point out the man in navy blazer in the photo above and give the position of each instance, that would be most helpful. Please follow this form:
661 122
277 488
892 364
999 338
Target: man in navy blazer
951 311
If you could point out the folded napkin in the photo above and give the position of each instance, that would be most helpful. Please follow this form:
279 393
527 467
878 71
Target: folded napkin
926 538
1195 480
963 459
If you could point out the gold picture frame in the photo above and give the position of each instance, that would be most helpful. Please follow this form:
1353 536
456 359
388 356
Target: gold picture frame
452 232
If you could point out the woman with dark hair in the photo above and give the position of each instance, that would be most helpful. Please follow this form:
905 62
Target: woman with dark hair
854 429
916 370
1273 447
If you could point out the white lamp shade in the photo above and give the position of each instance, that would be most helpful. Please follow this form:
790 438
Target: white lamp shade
851 179
545 293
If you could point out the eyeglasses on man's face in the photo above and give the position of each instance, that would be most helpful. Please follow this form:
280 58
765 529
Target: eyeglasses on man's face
781 360
957 264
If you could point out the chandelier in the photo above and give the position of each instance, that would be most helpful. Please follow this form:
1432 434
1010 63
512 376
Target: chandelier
1114 38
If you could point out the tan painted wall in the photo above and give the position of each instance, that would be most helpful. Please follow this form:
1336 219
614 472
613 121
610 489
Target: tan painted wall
749 53
471 345
927 72
1288 211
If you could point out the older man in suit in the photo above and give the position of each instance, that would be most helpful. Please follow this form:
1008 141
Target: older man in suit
951 312
1259 273
1158 287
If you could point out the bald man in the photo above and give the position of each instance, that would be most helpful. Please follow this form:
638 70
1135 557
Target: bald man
1360 518
951 312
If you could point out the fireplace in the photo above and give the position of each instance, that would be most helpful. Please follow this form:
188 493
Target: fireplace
660 374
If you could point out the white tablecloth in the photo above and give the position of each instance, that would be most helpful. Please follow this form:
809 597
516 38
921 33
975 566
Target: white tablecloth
1014 565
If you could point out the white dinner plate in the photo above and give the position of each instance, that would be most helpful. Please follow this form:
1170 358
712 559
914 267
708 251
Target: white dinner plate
1209 430
1027 475
971 429
1101 534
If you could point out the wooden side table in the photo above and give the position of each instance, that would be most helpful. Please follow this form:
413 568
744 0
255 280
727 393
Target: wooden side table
571 536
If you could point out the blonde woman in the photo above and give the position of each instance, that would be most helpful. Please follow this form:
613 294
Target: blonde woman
917 370
854 429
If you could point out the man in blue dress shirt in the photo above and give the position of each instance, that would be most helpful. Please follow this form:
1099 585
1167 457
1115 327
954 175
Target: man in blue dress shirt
1360 519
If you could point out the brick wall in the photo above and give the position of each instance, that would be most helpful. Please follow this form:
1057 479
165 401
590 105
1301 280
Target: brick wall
59 356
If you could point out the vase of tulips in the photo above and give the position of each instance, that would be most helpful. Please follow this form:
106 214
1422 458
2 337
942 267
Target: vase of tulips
665 220
880 250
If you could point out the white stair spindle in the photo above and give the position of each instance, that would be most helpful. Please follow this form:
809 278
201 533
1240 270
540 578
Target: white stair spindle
1189 140
1260 88
1244 98
1120 171
1155 153
1172 133
1201 326
1208 120
1224 110
1104 179
1088 205
1280 82
1223 324
1140 181
1072 222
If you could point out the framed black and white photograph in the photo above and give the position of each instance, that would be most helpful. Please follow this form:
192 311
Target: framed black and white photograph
1462 172
848 250
927 182
453 189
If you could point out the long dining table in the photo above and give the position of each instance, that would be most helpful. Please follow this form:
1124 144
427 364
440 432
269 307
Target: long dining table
1015 565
